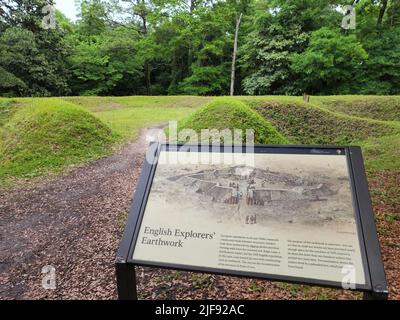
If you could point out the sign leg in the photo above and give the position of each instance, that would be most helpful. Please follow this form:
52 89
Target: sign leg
375 296
126 281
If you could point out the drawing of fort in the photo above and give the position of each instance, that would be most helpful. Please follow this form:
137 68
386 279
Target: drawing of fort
254 186
254 194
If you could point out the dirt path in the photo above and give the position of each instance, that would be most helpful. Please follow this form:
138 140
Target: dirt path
73 223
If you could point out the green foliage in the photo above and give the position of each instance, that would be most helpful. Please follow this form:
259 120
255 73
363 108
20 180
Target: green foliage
198 47
20 55
277 30
208 80
48 136
225 113
309 14
148 47
329 61
268 61
210 53
93 17
392 217
90 69
31 58
380 74
11 85
104 63
24 13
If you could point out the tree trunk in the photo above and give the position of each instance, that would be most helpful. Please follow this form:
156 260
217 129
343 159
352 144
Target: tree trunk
193 5
144 19
382 12
394 7
147 71
235 45
147 66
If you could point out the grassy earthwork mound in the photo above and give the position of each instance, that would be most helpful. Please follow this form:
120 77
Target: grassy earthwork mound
227 113
48 136
311 124
314 123
373 107
38 135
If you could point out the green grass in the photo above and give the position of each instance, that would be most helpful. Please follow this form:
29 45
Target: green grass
385 108
7 109
228 113
310 124
40 135
382 153
391 217
127 115
314 123
128 121
99 104
37 134
37 139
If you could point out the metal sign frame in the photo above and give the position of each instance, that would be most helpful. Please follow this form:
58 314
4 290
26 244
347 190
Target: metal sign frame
375 286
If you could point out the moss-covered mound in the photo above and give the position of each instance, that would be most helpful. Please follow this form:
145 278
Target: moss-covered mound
226 113
310 124
38 138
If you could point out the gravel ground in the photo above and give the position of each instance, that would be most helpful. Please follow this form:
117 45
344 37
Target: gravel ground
74 222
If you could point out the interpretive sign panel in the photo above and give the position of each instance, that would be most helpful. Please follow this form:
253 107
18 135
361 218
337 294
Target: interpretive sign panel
289 213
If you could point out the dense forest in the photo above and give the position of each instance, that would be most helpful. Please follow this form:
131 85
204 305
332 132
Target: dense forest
200 47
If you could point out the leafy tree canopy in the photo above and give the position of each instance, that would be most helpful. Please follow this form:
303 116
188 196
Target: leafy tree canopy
130 47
